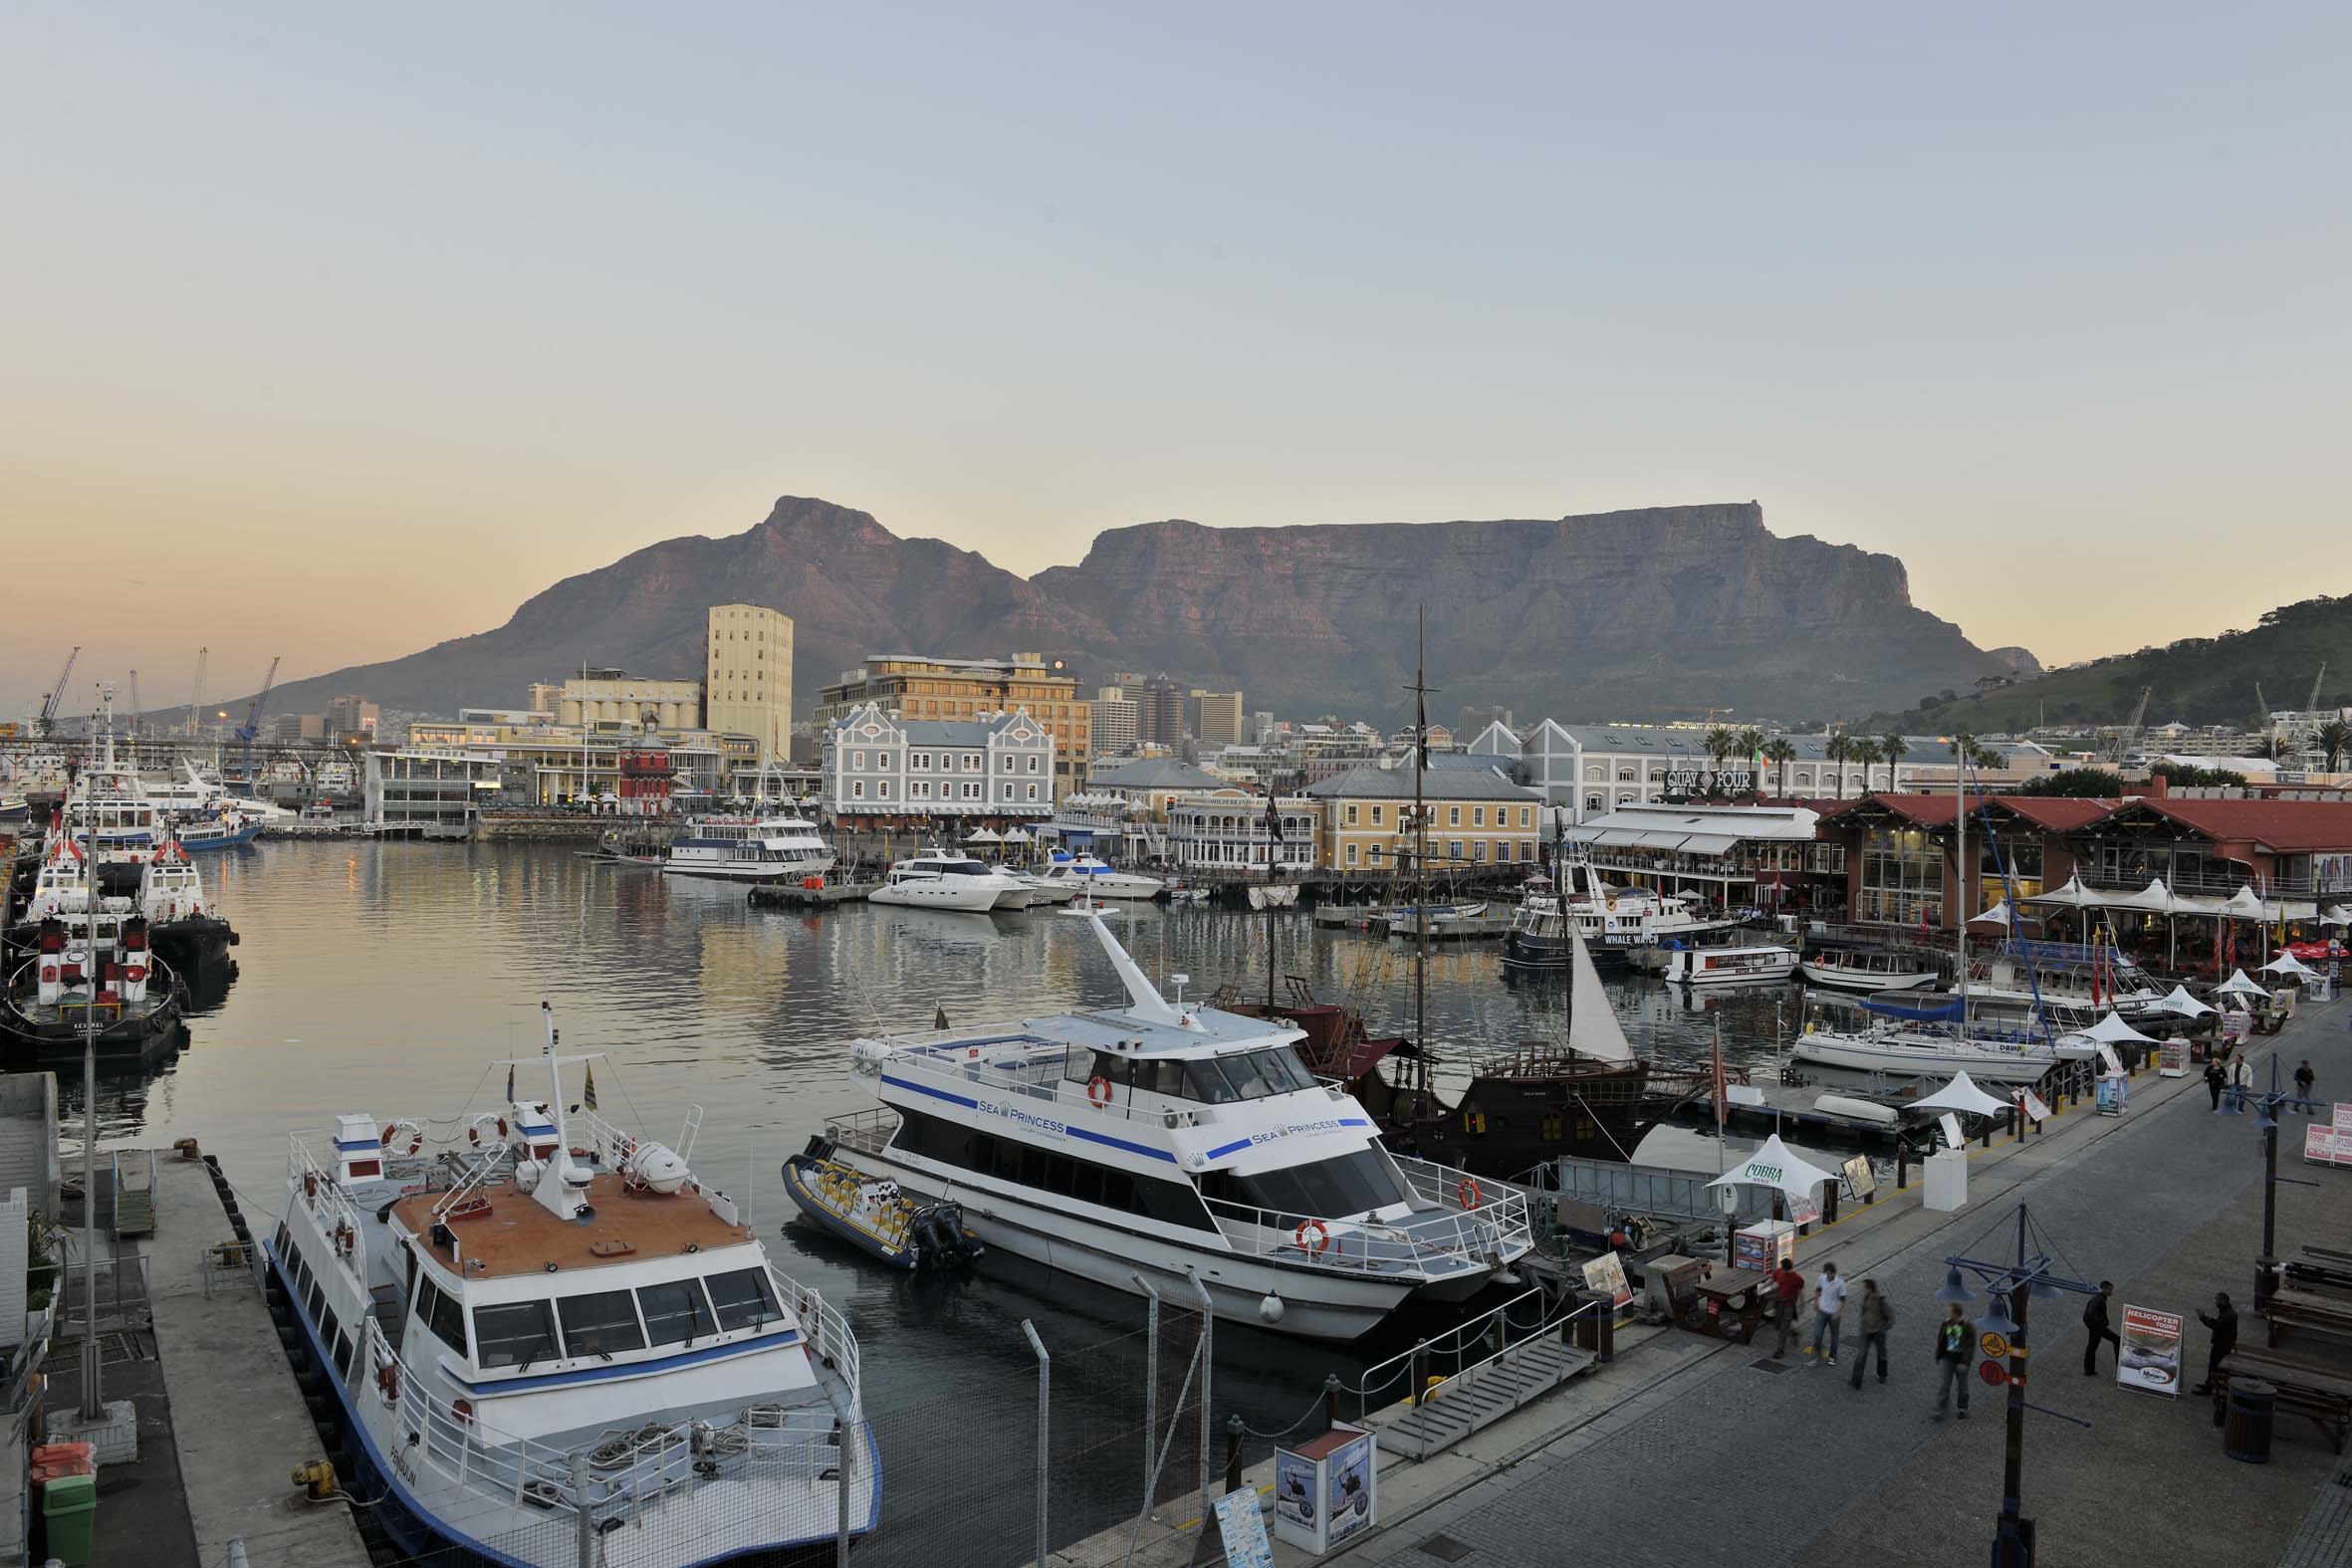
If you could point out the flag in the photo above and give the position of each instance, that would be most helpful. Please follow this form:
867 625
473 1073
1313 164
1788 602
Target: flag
588 1095
509 1083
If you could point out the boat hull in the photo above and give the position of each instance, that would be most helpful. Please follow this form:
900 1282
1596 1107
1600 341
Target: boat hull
966 900
1836 979
1861 1054
209 841
193 943
1502 1127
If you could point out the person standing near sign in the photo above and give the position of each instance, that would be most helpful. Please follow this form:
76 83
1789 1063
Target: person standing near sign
1877 1317
2094 1318
2222 1320
1830 1303
1789 1289
1952 1361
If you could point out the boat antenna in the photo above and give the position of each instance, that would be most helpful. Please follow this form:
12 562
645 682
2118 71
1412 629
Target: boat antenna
93 1407
1418 847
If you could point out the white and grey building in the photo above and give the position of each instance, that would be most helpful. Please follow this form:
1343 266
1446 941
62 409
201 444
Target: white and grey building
879 770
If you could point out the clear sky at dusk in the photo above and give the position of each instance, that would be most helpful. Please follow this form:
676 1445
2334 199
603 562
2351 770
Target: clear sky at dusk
335 332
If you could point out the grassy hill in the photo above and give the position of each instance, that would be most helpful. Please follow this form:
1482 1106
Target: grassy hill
2199 680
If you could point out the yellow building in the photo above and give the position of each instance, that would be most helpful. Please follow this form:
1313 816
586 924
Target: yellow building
748 676
1473 816
616 697
913 687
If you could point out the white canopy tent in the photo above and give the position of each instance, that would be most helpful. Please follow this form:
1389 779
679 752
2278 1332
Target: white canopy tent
2155 898
2247 904
1962 1095
1776 1165
1019 835
982 836
1998 915
2338 916
2238 985
2072 896
2290 967
2179 1000
2112 1030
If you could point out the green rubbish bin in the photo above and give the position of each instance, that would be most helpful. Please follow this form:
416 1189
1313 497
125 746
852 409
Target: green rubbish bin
69 1507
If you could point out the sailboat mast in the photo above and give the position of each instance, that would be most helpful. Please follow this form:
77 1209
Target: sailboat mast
1960 822
1421 845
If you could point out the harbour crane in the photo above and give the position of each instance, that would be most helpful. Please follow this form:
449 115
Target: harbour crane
132 728
196 702
2129 741
251 727
47 721
2311 703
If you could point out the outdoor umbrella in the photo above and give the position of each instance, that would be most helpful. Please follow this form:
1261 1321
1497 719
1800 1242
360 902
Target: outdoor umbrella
2112 1030
1776 1165
2179 1000
2288 965
2238 984
1962 1095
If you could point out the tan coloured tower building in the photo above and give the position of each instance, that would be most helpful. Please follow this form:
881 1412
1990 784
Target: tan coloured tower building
748 676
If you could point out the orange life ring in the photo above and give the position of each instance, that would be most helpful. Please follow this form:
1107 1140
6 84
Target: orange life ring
461 1411
387 1382
135 974
1098 1091
1323 1237
1469 1193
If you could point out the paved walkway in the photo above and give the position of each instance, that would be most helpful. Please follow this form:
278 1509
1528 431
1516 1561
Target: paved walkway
1798 1468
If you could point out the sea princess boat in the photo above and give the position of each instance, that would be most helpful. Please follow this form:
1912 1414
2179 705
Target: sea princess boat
1182 1144
943 880
551 1335
750 849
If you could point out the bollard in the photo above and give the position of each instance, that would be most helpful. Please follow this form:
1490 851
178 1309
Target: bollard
1233 1452
2016 1122
1902 1164
1829 1203
1330 1402
1987 1132
1420 1370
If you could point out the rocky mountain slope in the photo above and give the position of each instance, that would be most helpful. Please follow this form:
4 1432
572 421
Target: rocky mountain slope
1622 614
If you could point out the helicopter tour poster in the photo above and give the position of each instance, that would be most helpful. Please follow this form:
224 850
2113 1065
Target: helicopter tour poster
1324 1490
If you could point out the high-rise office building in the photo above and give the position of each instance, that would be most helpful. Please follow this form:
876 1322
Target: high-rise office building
1214 718
1160 712
1116 721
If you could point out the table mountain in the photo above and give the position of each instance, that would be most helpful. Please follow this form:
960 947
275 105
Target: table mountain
1667 609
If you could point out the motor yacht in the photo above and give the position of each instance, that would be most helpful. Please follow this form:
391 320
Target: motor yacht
941 879
1724 964
1099 880
1865 968
532 1331
1183 1145
750 849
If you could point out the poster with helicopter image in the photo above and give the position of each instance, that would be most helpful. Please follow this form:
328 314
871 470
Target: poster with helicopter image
1352 1470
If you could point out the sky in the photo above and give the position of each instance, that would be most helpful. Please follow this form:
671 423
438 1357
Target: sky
331 333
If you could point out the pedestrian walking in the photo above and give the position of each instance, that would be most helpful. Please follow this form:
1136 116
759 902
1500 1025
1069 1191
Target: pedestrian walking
2094 1318
2241 1072
2222 1320
2215 1081
2305 1079
1829 1301
1789 1289
1878 1316
1952 1361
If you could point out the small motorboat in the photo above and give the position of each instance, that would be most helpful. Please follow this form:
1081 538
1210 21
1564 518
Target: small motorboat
871 1213
1179 893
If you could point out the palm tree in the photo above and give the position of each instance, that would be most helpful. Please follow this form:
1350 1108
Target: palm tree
1987 759
1720 742
1865 752
1781 752
2335 738
1893 747
1751 741
1839 749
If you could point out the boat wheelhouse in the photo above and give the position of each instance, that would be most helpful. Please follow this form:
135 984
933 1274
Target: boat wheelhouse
1180 1145
1729 963
549 1332
1866 969
90 982
750 849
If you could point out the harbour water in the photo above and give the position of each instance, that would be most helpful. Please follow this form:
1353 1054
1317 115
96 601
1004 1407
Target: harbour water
384 977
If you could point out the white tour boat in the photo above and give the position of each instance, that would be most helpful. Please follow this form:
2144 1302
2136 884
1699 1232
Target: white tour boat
1730 963
1865 968
1181 1144
551 1334
750 849
1099 880
1615 922
940 879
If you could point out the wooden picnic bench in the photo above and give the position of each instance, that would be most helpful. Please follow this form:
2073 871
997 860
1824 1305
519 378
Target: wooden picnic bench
2320 1276
2324 1394
2328 1254
2307 1309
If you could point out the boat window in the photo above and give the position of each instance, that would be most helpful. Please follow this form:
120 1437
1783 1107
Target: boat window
1027 1165
313 1300
329 1328
1202 1081
1348 1183
342 1355
675 1313
513 1333
300 1273
282 1242
440 1311
602 1324
744 1298
1165 1077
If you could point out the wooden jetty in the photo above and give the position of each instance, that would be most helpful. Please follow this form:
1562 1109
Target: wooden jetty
791 895
1476 927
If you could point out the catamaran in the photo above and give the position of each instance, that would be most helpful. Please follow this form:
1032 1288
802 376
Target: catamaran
1178 1142
545 1332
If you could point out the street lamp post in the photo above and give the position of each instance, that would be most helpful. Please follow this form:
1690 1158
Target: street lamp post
2267 1104
2010 1286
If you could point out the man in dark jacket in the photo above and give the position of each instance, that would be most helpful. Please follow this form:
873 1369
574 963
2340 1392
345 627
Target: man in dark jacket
2094 1318
2215 1077
2305 1079
2222 1320
1953 1344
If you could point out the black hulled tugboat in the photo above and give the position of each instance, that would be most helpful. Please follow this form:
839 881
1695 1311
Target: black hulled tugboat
92 976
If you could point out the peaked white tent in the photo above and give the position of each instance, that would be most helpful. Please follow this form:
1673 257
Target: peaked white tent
1776 1165
2179 1000
2072 896
982 835
2245 904
2338 916
1998 915
1019 835
1962 1095
2112 1030
2292 968
2238 984
2155 898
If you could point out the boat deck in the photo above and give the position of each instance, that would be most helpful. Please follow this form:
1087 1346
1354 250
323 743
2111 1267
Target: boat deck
520 1236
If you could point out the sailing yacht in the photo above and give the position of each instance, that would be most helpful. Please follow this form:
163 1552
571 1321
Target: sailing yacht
548 1333
1182 1144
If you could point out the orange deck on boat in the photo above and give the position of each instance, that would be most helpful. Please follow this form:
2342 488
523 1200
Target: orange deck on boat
519 1236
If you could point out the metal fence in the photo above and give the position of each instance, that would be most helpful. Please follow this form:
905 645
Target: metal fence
1654 1189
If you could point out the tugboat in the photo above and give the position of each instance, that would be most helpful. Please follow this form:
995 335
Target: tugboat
871 1213
91 978
183 926
545 1333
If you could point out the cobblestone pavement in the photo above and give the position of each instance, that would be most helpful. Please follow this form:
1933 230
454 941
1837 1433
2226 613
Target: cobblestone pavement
1798 1466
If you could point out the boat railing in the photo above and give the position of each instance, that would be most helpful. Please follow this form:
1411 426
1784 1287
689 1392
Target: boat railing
1525 1317
1042 1080
1445 1239
826 1331
868 1131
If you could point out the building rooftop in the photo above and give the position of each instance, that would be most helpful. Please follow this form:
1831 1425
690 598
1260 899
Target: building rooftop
1397 784
1156 772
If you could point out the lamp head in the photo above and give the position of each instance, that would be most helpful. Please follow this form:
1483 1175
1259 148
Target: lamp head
1954 1293
1996 1317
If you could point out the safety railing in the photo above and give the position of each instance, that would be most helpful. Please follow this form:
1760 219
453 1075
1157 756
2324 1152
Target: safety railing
1463 1349
1440 1240
826 1329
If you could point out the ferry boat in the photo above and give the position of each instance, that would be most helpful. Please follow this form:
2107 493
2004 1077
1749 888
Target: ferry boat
750 849
1182 1144
939 879
1099 880
548 1333
1729 963
1614 922
222 830
92 981
1865 968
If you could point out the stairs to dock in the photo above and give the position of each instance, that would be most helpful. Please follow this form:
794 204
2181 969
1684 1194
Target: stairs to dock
135 1192
1478 1397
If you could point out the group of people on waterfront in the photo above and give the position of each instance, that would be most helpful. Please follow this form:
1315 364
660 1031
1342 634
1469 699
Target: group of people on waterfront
1956 1337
